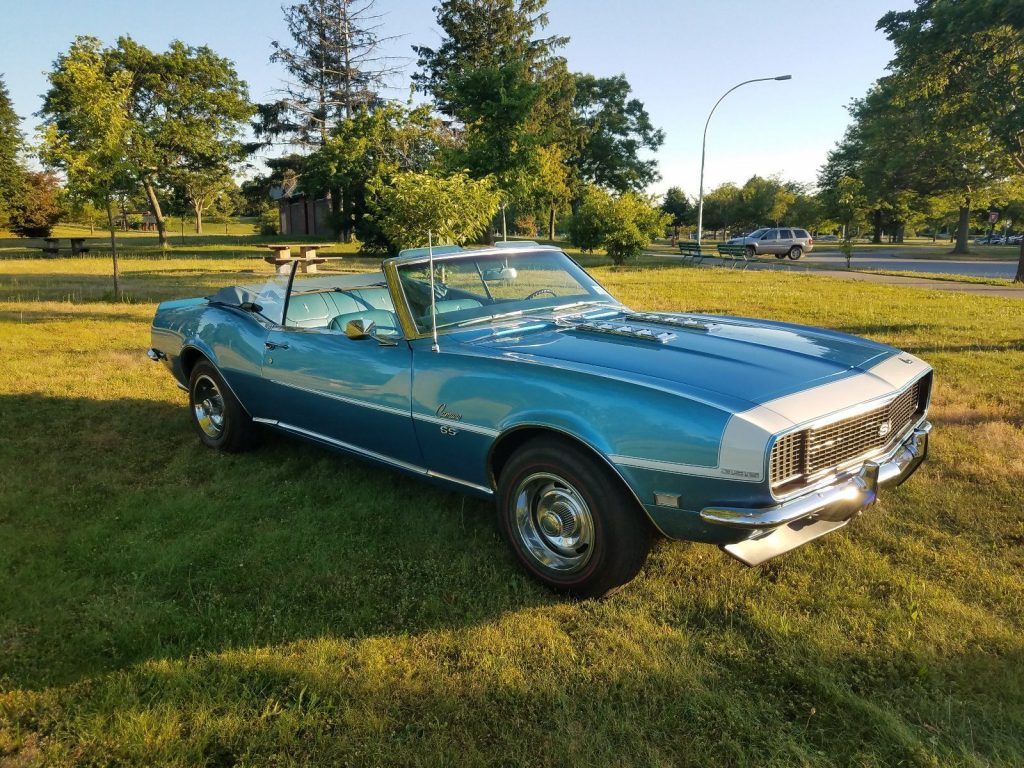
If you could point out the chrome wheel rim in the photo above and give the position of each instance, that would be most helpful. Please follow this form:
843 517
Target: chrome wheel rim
208 406
553 523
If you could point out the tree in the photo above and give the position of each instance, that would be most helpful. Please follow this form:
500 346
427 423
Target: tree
182 109
678 207
503 86
368 149
87 129
12 173
963 62
411 207
612 131
623 225
851 207
187 111
38 207
334 66
203 187
335 70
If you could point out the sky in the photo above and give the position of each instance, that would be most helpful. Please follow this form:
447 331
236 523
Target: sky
679 56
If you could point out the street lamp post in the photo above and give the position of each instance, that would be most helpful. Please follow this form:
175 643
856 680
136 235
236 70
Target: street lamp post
704 143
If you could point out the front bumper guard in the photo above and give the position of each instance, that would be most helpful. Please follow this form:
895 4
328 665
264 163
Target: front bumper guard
788 525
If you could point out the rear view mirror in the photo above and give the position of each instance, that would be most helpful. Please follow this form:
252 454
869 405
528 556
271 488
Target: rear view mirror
505 274
359 329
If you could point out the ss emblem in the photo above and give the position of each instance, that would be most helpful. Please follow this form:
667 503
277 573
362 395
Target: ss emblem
449 431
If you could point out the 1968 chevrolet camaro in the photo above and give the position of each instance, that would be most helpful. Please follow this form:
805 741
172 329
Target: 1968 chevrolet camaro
509 373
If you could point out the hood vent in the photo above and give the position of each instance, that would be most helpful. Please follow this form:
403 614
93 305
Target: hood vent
622 329
675 321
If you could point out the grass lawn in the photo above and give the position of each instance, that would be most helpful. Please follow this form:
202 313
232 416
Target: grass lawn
162 605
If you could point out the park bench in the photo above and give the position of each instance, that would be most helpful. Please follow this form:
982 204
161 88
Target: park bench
51 246
735 254
691 249
281 257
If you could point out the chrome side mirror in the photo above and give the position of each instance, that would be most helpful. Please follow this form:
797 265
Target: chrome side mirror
360 329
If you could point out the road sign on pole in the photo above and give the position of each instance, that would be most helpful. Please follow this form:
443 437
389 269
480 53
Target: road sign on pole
993 217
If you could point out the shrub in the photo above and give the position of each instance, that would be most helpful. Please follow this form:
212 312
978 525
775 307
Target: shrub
40 206
623 225
454 208
269 220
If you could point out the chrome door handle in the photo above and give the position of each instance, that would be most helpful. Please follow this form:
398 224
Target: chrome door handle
275 345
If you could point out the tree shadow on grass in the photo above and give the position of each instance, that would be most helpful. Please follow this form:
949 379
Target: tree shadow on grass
122 540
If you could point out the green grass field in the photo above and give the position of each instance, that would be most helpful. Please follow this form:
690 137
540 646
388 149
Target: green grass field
162 605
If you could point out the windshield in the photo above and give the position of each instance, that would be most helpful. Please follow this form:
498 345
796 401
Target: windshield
474 289
758 232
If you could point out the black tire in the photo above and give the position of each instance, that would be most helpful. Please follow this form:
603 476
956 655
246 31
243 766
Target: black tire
795 253
751 251
620 534
219 420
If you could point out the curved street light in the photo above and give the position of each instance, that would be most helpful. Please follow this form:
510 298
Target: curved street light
703 146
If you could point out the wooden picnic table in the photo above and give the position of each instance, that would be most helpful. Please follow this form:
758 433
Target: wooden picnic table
51 246
281 256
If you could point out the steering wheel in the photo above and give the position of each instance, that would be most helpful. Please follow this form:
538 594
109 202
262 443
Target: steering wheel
539 291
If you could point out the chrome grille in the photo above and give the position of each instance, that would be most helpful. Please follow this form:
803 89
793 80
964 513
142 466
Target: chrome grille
789 458
811 452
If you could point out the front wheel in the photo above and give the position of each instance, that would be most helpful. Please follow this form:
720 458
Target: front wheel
217 416
751 252
795 252
570 522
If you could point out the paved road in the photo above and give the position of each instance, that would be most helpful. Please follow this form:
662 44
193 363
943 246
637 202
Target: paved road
988 268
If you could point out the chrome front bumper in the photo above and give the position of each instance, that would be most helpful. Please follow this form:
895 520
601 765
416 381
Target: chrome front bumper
787 525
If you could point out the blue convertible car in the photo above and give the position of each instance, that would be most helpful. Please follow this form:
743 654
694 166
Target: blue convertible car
508 372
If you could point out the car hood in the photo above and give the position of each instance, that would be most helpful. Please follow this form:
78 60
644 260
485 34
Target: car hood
742 361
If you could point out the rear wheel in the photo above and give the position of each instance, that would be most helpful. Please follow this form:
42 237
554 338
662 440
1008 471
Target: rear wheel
218 417
795 252
570 522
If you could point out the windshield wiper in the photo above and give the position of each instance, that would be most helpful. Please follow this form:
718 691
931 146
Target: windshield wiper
488 318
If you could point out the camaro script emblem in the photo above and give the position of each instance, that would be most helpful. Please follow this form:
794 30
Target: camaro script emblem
884 428
444 413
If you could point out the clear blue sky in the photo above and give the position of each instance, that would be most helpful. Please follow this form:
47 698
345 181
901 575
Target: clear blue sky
679 55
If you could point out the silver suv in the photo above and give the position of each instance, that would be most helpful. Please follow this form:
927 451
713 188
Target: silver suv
780 242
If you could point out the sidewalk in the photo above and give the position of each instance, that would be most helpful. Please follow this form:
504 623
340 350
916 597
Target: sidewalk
978 289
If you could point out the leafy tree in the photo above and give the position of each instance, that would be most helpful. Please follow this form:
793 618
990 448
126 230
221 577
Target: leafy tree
504 87
612 131
368 149
187 111
721 206
204 188
962 63
12 173
678 207
39 206
183 109
851 207
623 225
87 129
551 190
451 209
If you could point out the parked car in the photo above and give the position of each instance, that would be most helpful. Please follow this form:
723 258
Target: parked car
828 238
989 240
1014 239
779 242
511 374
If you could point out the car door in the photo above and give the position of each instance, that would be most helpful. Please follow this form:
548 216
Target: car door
352 392
769 242
786 240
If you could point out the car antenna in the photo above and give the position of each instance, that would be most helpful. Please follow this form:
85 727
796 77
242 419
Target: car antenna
433 295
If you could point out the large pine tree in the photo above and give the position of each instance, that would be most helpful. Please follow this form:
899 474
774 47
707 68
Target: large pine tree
504 86
12 174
